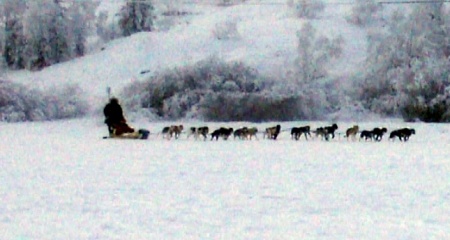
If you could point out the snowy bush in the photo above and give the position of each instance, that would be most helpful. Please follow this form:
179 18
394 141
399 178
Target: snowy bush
18 103
226 30
428 103
306 8
263 106
219 91
65 102
176 92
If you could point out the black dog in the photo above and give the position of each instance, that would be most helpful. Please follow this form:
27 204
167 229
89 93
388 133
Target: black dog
297 132
327 131
331 129
366 135
240 133
403 134
378 133
221 132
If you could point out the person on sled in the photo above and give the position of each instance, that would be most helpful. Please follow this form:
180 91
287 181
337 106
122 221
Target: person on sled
114 119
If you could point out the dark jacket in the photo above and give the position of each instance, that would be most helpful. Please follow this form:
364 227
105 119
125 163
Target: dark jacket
113 112
114 118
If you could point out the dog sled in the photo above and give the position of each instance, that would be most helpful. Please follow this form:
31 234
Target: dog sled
140 134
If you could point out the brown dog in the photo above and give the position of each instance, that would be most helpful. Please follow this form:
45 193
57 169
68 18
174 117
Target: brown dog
351 132
175 130
272 132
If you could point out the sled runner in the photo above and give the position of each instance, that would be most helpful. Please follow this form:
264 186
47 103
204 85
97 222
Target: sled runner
141 134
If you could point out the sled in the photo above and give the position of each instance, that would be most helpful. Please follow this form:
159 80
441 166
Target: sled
140 134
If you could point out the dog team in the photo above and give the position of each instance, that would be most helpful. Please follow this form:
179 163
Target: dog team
325 133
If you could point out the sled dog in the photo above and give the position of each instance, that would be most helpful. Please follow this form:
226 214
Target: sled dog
297 132
272 132
366 135
402 134
377 133
240 133
326 132
351 132
170 131
203 131
221 132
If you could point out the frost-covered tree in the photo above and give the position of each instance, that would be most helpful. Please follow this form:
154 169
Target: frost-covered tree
311 79
136 16
429 68
314 54
408 67
47 23
14 43
81 18
41 33
13 40
58 35
106 28
365 12
45 28
306 8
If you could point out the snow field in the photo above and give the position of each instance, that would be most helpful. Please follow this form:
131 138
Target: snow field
60 180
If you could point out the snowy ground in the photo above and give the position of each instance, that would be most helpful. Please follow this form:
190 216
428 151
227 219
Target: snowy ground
60 180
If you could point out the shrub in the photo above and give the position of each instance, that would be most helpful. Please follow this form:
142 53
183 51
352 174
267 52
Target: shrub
437 110
216 90
18 103
253 107
226 30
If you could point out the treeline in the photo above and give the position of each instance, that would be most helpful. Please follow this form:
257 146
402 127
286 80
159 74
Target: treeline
37 34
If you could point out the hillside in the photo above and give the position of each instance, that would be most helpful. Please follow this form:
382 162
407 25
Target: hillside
265 39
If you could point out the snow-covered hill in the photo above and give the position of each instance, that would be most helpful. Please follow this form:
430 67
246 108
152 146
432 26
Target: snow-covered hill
265 39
